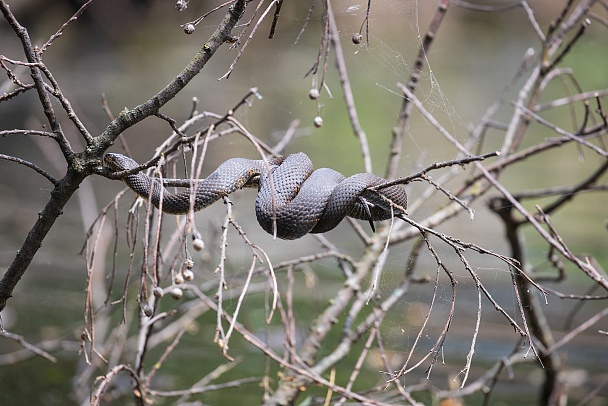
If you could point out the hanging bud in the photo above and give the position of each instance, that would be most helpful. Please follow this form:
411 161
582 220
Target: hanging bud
318 121
313 94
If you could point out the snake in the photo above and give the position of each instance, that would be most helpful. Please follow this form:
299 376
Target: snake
293 198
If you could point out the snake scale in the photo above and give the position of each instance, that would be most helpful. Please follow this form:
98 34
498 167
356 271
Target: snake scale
300 199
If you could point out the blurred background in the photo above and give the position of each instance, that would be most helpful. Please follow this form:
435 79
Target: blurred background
129 50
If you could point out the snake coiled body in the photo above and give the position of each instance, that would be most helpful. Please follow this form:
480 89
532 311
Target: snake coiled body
292 196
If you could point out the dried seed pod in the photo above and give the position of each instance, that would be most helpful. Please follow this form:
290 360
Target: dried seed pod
179 279
158 292
177 293
148 310
198 244
188 275
357 38
189 28
318 121
189 263
313 94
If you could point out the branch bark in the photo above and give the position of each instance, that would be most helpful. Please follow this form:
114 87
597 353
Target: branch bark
83 164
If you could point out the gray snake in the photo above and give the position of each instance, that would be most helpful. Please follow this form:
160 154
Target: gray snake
300 199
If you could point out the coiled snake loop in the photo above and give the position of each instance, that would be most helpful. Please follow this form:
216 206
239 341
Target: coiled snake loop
300 199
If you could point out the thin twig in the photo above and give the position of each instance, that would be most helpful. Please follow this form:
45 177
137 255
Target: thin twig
65 25
35 167
21 340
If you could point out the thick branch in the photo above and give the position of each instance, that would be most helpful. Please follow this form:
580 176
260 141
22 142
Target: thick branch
83 164
53 209
128 118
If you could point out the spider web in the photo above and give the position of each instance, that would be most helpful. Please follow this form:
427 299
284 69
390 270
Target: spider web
392 36
395 32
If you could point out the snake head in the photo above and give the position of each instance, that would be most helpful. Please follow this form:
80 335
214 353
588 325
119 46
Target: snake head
118 162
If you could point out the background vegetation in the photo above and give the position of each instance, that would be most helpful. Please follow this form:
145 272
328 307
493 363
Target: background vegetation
493 291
